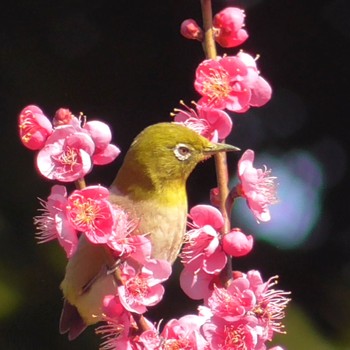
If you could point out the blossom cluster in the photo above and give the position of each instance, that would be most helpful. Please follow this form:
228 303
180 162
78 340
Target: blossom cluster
242 316
89 212
69 146
228 82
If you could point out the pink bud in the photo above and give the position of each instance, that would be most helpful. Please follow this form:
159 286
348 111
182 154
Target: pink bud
215 197
63 116
34 127
191 30
236 243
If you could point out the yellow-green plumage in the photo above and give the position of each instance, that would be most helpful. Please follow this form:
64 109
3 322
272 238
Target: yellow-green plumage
151 187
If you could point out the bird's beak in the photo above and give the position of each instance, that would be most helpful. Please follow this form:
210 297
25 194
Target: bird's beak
219 147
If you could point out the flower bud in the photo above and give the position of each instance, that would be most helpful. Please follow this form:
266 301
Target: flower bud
236 243
191 30
63 116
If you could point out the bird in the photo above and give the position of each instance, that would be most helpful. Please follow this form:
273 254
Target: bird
150 186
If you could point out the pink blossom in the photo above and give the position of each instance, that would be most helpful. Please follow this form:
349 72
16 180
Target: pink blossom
229 23
141 286
116 333
220 82
184 333
90 211
53 223
250 300
34 127
191 30
232 303
66 155
257 186
231 82
202 253
202 249
226 335
236 243
212 123
123 243
270 304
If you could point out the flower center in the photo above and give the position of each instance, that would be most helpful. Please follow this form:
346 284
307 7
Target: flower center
68 157
177 344
235 338
267 186
217 86
84 214
137 286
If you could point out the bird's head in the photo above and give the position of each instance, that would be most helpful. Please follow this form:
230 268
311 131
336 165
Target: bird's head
164 154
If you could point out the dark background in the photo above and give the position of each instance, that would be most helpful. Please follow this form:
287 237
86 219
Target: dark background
125 63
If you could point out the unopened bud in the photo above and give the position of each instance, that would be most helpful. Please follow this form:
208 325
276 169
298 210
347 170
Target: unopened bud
63 116
191 30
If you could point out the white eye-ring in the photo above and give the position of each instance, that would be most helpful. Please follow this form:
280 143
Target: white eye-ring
182 151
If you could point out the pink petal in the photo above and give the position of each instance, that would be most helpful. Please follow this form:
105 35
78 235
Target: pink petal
99 132
246 161
82 141
261 93
215 263
206 215
107 155
195 285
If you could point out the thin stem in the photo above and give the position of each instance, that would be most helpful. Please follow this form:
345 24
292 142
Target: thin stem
209 48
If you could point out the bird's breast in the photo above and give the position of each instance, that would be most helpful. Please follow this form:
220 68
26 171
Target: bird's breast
163 222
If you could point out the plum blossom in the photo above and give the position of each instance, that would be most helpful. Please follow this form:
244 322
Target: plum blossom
184 333
270 304
89 211
257 186
202 249
212 123
141 286
53 223
68 148
228 24
115 333
66 155
34 127
202 254
229 83
250 301
121 240
236 243
225 335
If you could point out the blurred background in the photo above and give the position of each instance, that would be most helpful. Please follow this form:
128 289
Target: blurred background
125 63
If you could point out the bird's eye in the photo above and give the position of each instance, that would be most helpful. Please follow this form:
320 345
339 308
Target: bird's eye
182 152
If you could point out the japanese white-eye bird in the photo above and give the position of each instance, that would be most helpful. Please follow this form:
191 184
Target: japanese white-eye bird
151 187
